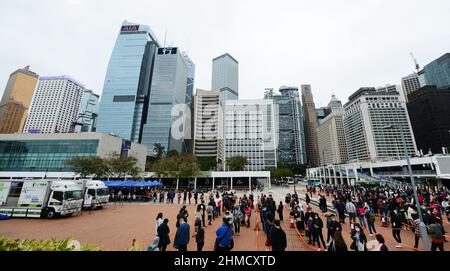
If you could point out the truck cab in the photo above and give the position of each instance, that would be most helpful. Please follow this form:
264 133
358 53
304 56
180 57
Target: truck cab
65 199
95 193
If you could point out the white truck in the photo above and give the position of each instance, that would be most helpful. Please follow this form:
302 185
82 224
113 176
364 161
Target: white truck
39 198
95 193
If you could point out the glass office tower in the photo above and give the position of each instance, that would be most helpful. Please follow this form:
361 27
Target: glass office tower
291 132
127 85
225 77
168 89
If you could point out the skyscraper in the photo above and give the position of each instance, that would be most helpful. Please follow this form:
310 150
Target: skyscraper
367 115
331 135
250 130
437 72
208 123
309 109
55 105
291 132
410 84
16 100
188 144
168 94
88 112
225 77
126 90
429 110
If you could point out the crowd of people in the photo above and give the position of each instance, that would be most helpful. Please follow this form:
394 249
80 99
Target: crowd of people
156 195
360 207
395 207
234 212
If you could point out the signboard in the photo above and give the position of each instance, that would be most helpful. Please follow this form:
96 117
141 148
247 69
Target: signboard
129 28
33 193
4 191
167 51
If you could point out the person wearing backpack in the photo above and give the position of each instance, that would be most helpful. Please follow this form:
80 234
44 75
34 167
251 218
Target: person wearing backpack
224 237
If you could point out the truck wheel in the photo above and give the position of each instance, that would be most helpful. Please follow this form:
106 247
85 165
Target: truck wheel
50 214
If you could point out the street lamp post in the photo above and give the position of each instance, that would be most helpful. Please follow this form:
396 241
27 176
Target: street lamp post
423 228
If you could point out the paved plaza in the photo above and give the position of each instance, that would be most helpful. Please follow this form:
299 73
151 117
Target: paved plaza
114 227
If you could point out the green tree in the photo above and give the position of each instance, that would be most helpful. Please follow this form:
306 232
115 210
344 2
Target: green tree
172 153
88 166
187 166
81 165
281 172
122 166
207 163
237 163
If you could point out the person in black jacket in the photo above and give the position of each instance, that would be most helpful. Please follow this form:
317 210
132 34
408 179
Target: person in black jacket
200 238
163 233
277 237
280 210
317 226
397 226
332 226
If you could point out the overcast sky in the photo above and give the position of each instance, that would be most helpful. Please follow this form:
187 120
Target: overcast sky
336 46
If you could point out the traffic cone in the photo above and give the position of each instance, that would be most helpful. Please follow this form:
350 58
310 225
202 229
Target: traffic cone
292 223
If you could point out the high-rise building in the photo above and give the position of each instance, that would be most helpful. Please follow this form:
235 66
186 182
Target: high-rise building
188 144
437 73
331 135
88 112
429 111
321 113
309 109
250 130
208 140
225 77
16 100
368 114
123 106
410 84
55 105
291 132
168 94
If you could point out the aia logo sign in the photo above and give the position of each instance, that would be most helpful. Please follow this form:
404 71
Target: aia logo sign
129 28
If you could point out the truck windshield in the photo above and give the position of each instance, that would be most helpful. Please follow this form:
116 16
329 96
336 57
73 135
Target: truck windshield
72 195
102 192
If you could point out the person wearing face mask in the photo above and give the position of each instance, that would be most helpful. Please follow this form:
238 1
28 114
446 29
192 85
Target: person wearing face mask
396 227
359 239
317 226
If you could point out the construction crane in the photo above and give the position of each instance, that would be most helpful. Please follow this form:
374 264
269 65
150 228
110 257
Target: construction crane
415 62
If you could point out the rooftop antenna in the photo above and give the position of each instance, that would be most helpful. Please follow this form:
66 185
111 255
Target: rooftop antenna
415 62
165 36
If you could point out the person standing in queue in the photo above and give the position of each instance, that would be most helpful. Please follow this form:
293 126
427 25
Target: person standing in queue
163 234
280 211
200 238
224 237
182 236
277 237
